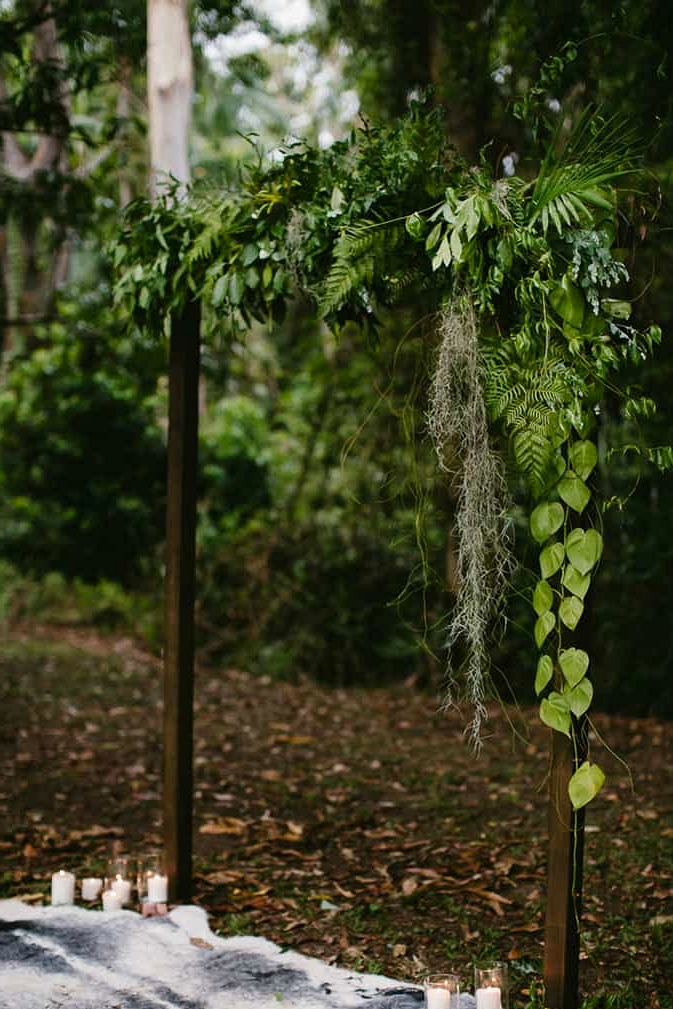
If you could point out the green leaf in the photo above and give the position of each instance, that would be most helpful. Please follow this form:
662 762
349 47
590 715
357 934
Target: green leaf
575 582
585 784
580 697
443 255
574 663
220 289
570 611
249 255
584 549
543 626
617 309
456 245
545 671
543 598
551 559
568 301
555 712
236 288
574 491
583 458
414 225
337 200
546 519
433 237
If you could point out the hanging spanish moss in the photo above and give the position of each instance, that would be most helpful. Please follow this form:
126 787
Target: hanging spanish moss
458 425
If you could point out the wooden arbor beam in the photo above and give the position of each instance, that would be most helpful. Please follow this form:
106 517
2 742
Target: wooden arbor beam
564 877
183 413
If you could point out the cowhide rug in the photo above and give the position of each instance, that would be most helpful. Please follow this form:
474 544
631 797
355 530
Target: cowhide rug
58 957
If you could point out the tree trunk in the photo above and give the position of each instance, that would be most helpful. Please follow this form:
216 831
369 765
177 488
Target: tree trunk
169 92
29 285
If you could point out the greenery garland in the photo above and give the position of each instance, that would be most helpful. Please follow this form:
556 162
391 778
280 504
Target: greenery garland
527 268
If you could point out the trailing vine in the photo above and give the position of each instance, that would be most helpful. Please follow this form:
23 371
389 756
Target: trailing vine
533 328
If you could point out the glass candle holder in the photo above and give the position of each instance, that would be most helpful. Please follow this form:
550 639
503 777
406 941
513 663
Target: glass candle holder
111 900
152 881
442 991
491 986
118 878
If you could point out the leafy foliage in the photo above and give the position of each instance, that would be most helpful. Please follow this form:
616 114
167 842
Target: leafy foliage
394 210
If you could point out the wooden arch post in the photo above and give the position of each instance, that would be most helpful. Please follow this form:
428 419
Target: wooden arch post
564 876
183 414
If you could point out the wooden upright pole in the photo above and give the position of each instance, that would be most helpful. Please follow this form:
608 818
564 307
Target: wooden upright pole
183 384
564 878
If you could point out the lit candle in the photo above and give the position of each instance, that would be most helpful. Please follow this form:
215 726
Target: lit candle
442 991
111 900
157 889
91 887
488 998
437 998
122 887
62 888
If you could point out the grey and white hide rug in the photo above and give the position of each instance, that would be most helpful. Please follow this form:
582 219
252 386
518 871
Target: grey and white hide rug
58 957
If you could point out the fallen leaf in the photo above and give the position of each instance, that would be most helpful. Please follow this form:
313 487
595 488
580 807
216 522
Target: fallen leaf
225 825
201 943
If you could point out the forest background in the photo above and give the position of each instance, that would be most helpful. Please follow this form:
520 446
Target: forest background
324 541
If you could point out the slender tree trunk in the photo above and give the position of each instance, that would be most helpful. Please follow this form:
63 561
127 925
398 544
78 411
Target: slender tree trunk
28 286
169 92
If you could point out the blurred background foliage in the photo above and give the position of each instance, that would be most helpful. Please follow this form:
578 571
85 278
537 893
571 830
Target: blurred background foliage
324 536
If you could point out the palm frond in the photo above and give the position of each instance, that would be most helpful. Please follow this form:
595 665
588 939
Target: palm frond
578 177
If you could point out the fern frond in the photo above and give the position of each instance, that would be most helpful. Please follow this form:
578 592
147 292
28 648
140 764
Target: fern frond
360 252
527 399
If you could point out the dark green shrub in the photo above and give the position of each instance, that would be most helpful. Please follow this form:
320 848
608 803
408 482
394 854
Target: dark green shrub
82 461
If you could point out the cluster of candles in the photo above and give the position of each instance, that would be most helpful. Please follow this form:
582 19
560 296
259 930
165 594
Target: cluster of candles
491 989
116 889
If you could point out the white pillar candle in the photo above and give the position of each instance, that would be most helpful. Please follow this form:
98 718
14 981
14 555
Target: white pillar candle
63 888
488 998
91 887
111 900
157 889
437 998
122 887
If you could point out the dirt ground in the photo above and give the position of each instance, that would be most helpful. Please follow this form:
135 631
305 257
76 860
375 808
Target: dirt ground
356 826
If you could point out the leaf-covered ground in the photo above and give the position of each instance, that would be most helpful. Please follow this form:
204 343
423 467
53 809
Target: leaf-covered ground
351 825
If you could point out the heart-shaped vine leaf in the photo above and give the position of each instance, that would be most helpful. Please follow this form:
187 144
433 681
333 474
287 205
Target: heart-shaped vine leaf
569 302
546 519
543 598
545 671
585 784
579 698
543 626
574 663
574 581
551 559
574 491
583 458
570 611
555 712
584 549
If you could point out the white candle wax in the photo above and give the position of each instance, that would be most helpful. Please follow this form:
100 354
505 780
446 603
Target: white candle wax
437 998
157 889
488 998
111 900
91 887
63 888
122 887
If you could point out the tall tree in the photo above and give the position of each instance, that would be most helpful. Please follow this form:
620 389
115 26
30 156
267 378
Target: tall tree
170 81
